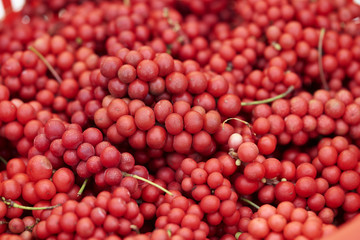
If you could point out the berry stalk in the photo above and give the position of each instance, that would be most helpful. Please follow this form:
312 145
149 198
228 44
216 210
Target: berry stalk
48 65
320 53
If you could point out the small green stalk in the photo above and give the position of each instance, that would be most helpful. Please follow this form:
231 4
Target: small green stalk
82 188
15 205
276 45
320 53
250 202
147 181
242 121
135 228
269 100
48 65
3 160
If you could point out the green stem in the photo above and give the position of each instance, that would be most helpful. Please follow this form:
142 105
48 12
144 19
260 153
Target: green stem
79 40
81 190
239 120
147 181
229 67
48 65
31 227
268 100
249 202
15 205
244 122
135 228
320 53
276 45
3 160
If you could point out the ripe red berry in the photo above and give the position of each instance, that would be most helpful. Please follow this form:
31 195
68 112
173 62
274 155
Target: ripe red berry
247 152
229 105
39 167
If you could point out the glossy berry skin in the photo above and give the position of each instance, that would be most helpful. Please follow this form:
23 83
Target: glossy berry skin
179 118
39 167
229 105
305 187
247 151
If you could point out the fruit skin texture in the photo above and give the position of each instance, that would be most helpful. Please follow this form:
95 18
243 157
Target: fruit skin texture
39 167
176 83
244 186
258 227
229 105
247 151
137 99
63 179
305 187
334 197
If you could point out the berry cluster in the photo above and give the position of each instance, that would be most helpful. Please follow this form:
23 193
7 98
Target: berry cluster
208 185
98 217
285 221
179 119
306 116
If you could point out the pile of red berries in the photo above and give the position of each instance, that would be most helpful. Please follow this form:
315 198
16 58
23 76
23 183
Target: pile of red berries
178 119
285 221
